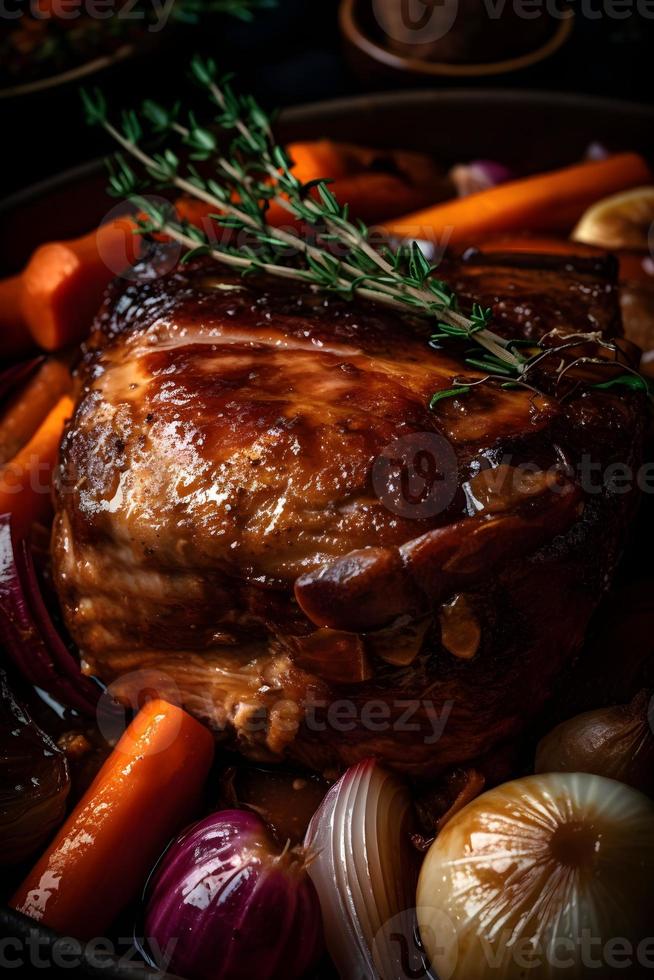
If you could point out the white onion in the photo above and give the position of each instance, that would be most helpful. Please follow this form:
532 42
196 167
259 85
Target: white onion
543 871
363 866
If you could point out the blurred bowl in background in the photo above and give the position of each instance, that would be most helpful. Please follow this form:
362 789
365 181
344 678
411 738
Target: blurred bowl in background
73 75
391 42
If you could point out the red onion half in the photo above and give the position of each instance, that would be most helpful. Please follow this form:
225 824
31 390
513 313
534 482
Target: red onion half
230 906
28 633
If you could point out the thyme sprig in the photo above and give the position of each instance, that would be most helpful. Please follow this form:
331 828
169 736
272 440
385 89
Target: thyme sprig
243 171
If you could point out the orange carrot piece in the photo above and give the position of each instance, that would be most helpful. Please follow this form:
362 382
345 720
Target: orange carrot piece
374 197
63 283
546 202
322 158
25 481
412 180
15 338
147 789
26 410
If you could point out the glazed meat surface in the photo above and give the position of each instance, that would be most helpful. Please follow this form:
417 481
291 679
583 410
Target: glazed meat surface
255 501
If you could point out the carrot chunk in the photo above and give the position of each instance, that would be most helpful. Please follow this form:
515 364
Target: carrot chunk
25 481
26 410
63 283
147 789
546 202
376 184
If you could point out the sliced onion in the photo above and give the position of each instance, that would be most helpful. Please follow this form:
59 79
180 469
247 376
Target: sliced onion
539 876
230 906
30 636
34 781
364 870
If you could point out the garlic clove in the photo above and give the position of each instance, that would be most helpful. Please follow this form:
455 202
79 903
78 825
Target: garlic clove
540 872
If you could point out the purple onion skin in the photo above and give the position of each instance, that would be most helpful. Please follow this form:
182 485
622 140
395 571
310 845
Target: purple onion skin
29 635
236 908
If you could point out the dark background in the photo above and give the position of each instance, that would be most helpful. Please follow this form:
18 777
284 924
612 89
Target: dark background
294 54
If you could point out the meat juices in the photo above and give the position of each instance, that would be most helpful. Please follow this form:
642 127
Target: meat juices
220 514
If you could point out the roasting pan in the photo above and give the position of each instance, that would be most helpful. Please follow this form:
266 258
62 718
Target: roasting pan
528 130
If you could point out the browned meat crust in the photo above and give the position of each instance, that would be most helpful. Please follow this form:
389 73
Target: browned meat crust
230 510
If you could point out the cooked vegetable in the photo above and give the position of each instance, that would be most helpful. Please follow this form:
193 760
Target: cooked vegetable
376 184
22 416
25 480
28 633
546 202
339 256
236 906
15 339
63 283
617 742
34 781
364 871
149 786
624 220
530 873
470 178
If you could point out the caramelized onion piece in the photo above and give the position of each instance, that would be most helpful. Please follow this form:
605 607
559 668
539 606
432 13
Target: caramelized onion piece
33 779
617 742
539 876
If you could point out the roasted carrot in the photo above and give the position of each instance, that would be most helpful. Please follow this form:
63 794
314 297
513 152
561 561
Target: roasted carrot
15 338
63 283
25 480
376 184
146 790
26 410
546 202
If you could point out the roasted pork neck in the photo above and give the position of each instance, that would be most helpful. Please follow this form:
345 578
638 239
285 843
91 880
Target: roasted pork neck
243 506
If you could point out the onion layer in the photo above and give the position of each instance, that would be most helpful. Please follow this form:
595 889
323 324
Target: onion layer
364 870
34 781
28 633
540 878
230 906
